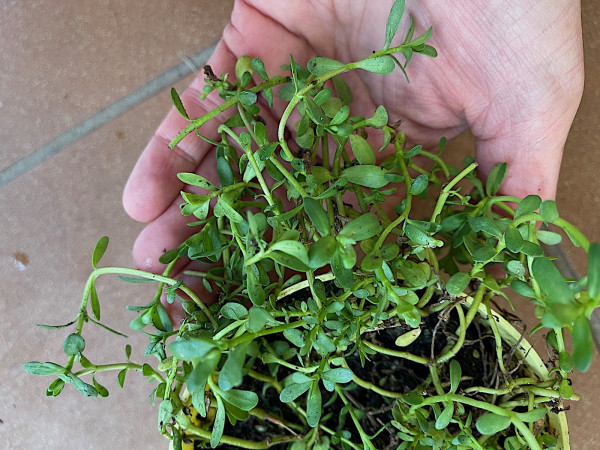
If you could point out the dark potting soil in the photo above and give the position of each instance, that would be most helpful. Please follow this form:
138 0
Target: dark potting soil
477 359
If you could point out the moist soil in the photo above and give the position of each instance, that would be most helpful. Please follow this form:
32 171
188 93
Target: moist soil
477 359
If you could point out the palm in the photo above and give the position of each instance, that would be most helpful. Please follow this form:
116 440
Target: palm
511 74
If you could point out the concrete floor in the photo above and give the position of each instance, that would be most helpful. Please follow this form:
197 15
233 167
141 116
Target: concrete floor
63 63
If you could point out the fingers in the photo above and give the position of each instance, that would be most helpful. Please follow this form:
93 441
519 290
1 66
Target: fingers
530 141
153 183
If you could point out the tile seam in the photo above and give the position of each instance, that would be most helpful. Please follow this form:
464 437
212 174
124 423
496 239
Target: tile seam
104 116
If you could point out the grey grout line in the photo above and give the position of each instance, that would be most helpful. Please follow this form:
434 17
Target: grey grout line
102 117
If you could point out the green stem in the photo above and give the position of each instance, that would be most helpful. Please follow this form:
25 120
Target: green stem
396 353
518 423
366 439
117 366
142 274
408 203
446 191
197 123
459 342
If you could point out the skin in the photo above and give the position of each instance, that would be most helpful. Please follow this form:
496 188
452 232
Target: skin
512 72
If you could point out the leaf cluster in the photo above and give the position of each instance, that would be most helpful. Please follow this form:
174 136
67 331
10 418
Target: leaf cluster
335 210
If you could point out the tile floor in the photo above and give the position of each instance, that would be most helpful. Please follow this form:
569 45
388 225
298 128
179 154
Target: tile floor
64 62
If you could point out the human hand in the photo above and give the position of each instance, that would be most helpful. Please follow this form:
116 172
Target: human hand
512 72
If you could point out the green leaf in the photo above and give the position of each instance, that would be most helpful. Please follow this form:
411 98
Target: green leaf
338 375
227 210
361 228
322 96
231 373
533 415
55 388
362 150
73 344
292 391
551 282
317 215
197 379
255 289
259 67
292 248
484 254
445 417
548 237
486 225
314 111
343 276
55 327
313 405
419 41
190 348
366 175
289 261
593 270
490 423
257 319
121 377
532 249
427 50
47 368
245 400
165 412
408 338
529 204
494 179
95 303
455 375
583 344
224 172
393 22
295 336
99 250
321 252
419 237
320 66
340 116
565 361
266 151
378 64
86 389
413 151
324 343
234 311
196 180
516 268
513 239
549 211
218 424
178 104
379 119
343 90
419 184
414 274
458 283
247 98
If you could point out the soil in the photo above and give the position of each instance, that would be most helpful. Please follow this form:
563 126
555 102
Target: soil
477 359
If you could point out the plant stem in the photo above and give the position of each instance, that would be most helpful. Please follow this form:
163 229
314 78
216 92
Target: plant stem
446 191
197 123
142 274
117 366
518 423
366 439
